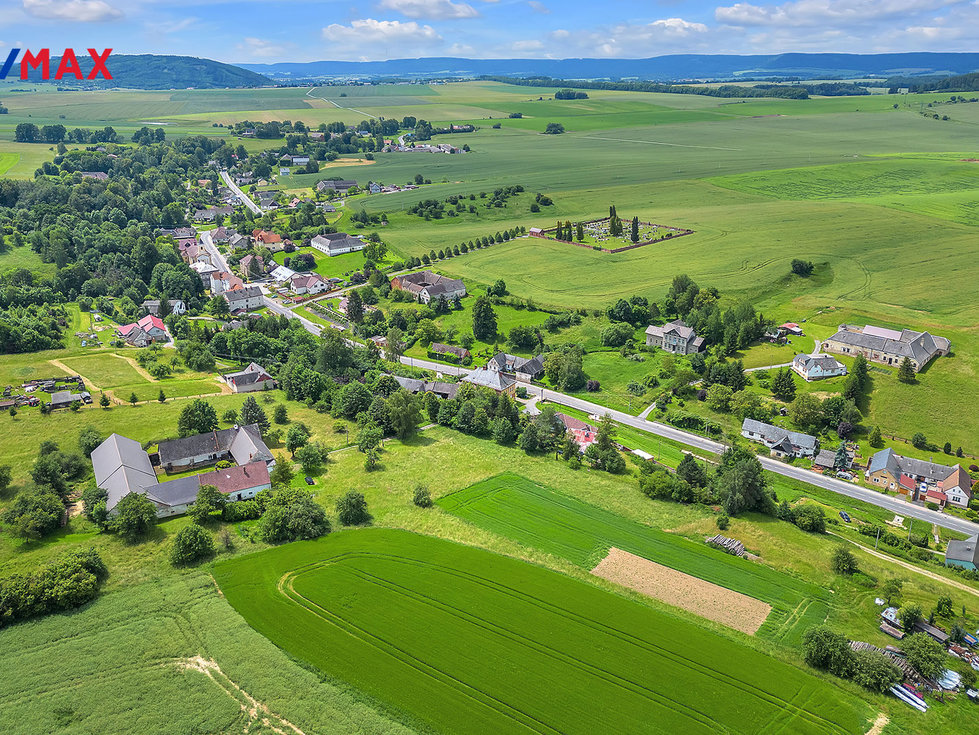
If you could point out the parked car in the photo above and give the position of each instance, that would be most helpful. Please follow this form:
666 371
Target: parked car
844 475
309 480
844 516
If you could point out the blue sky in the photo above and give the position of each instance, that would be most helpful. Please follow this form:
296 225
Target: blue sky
309 30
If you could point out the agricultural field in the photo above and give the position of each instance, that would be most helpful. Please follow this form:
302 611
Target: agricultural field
122 663
584 653
539 517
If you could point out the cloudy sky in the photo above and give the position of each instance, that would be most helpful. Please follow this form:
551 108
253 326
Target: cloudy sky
310 30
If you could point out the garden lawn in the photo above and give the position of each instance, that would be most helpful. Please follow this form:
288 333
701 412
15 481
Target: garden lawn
436 629
172 388
539 517
106 370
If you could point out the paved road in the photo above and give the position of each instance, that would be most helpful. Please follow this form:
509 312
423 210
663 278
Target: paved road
246 200
856 492
218 259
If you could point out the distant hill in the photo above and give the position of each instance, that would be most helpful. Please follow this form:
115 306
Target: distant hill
658 68
147 71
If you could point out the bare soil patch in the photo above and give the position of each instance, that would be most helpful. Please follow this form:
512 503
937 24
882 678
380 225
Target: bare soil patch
689 593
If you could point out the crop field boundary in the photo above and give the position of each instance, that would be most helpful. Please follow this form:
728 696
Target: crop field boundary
706 599
445 601
541 518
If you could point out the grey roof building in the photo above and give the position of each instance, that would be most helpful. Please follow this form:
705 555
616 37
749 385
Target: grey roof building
888 346
498 381
525 369
781 441
887 462
963 553
337 243
242 443
121 467
675 337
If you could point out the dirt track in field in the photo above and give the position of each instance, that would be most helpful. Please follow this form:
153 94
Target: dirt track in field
705 599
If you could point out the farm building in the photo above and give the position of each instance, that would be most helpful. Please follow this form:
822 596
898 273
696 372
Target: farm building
121 467
337 243
963 554
340 185
817 367
887 346
426 286
442 390
243 444
781 442
525 370
64 398
674 337
458 354
252 378
499 382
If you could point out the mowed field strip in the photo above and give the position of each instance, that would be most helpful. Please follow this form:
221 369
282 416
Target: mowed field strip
539 517
681 590
465 640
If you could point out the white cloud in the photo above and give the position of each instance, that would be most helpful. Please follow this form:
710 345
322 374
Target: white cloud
258 47
531 45
539 7
80 11
822 12
437 9
677 26
175 26
369 38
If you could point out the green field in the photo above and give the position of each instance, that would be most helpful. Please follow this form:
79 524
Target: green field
468 641
541 518
126 664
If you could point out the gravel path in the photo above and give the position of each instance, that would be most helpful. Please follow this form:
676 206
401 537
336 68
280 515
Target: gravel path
692 594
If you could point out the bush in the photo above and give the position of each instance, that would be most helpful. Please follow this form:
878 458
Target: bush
422 497
593 386
352 509
810 518
844 562
242 510
291 515
875 671
191 544
722 522
829 651
69 581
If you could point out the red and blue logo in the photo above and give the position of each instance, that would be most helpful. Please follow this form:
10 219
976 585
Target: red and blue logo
67 66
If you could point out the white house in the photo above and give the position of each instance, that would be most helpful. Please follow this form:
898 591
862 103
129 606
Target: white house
817 367
308 283
337 243
177 306
252 378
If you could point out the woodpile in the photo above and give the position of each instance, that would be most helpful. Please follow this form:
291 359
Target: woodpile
727 545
